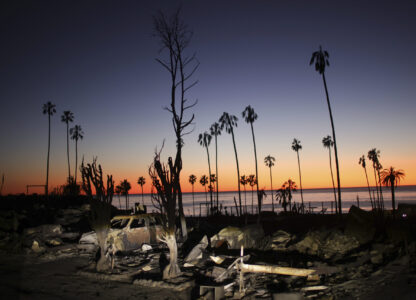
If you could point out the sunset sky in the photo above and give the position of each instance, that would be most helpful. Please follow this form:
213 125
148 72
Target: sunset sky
97 59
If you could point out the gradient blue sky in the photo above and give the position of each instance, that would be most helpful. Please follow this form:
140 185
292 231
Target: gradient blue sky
97 59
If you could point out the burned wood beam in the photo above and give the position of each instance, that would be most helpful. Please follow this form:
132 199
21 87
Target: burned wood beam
246 268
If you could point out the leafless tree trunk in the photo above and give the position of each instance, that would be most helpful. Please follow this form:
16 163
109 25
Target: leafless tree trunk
100 216
174 38
165 180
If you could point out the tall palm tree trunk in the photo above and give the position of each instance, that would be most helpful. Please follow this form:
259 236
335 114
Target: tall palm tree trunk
209 179
332 176
216 167
252 200
47 162
238 172
245 199
76 159
393 202
378 195
67 149
257 173
369 190
300 181
335 145
271 187
193 201
381 191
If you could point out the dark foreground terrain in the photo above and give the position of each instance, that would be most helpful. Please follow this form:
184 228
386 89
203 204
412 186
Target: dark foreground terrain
359 256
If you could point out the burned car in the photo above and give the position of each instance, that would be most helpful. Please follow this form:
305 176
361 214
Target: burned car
129 232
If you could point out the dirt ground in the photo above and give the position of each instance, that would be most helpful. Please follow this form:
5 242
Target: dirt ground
25 277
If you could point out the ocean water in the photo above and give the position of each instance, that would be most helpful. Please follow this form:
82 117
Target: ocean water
313 198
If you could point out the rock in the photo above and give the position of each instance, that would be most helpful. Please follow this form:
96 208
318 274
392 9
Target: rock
280 239
54 242
249 237
360 225
327 244
196 253
146 247
37 248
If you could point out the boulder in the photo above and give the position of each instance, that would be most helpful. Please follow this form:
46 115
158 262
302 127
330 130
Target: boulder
327 244
280 239
249 237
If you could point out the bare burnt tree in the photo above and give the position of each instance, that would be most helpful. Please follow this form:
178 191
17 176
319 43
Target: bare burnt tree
165 180
100 214
174 37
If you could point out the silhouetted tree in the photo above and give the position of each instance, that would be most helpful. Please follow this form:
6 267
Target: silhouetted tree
363 164
252 180
100 210
192 180
204 181
118 192
290 187
125 188
328 143
244 181
320 58
392 177
142 181
250 116
296 146
67 117
281 197
212 181
374 155
205 140
228 122
269 161
215 131
175 38
76 134
49 109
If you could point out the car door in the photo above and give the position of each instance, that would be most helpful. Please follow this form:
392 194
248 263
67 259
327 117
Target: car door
138 233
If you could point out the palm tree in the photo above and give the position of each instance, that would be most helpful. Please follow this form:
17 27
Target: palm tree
250 116
320 58
392 177
296 146
118 192
228 122
328 143
205 140
48 108
215 131
142 181
204 181
363 164
252 181
125 188
281 197
374 155
290 187
67 117
269 161
212 181
192 180
76 134
244 181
